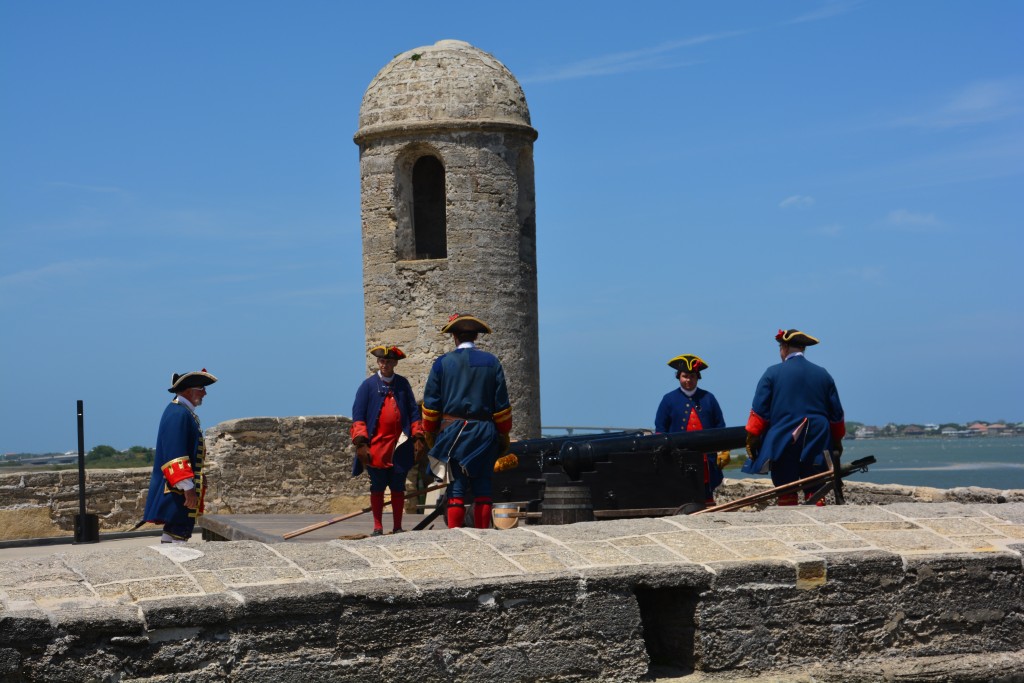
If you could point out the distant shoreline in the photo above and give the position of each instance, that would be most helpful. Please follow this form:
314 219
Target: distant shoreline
938 437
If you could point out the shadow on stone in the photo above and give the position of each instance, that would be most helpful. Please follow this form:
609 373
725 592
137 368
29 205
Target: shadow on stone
668 619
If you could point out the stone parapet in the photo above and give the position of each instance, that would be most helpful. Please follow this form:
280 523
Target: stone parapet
266 465
254 465
865 493
900 592
116 496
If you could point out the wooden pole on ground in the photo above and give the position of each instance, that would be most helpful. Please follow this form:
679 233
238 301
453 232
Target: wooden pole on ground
754 498
769 494
335 520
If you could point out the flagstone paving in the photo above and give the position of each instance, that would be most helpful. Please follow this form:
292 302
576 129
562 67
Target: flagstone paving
122 576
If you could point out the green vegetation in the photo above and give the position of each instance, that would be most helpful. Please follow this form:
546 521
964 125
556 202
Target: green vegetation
107 457
100 457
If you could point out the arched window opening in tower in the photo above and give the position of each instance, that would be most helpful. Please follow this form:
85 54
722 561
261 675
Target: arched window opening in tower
428 208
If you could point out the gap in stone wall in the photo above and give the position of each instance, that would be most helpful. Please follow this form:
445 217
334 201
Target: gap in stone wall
668 617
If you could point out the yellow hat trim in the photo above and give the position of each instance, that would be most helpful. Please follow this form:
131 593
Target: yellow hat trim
689 360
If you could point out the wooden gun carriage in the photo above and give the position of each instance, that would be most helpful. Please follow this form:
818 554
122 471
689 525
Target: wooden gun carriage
618 474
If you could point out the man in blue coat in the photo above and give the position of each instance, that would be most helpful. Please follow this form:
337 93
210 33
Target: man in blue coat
467 418
386 434
177 487
796 416
688 409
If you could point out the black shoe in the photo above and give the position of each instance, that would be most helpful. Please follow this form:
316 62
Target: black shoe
377 532
398 531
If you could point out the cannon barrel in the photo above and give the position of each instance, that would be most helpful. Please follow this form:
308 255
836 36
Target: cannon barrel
550 445
576 457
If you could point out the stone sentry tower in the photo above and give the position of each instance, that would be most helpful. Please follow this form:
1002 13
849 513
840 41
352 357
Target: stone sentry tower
448 208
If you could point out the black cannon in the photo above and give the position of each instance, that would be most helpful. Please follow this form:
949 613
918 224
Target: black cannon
551 445
578 457
626 474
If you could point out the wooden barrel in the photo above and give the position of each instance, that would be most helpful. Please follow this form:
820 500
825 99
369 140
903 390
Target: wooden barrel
505 515
566 504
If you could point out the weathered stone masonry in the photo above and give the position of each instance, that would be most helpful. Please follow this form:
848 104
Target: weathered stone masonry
907 591
459 106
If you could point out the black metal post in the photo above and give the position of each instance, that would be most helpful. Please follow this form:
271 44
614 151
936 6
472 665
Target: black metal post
86 526
81 460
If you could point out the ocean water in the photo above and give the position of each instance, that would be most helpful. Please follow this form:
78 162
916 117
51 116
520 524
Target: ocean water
995 462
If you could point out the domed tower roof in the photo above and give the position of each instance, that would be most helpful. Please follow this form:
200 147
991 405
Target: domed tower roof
445 86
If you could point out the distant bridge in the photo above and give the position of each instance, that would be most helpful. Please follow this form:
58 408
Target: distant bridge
50 460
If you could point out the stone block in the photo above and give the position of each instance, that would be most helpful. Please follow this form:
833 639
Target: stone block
761 572
870 569
597 554
190 611
46 570
25 626
99 567
295 601
93 623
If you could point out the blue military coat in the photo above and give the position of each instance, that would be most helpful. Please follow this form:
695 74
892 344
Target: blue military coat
179 436
366 409
796 408
674 416
470 384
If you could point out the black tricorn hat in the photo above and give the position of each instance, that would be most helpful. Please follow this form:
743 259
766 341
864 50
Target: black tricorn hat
190 380
795 338
392 352
688 363
460 322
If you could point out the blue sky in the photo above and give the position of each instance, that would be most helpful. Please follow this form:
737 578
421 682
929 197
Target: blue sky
179 189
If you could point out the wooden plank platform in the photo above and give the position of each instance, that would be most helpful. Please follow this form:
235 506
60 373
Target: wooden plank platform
272 528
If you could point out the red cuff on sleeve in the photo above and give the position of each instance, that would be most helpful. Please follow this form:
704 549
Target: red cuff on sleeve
177 470
503 420
756 424
431 419
359 429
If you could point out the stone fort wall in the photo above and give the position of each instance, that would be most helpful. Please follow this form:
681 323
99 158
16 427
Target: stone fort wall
907 592
255 465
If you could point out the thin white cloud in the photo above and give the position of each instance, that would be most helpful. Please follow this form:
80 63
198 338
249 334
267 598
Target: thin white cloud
648 59
663 56
977 103
50 273
904 220
973 159
797 201
911 220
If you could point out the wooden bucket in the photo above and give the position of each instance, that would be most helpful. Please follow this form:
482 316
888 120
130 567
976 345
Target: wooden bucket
506 515
566 504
